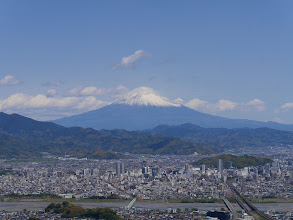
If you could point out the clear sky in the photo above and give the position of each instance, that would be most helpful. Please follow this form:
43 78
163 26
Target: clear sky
227 58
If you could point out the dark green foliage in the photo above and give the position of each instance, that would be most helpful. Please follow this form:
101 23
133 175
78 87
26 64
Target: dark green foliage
237 161
50 207
269 197
74 211
112 196
227 138
69 210
97 197
24 138
5 172
101 213
11 146
27 196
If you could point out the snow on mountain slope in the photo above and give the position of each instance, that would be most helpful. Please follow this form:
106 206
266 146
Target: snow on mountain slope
147 97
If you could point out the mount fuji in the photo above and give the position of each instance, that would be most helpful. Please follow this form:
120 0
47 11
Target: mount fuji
143 109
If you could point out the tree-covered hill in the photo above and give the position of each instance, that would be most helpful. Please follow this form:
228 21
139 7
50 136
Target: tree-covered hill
227 138
23 137
14 147
69 210
237 161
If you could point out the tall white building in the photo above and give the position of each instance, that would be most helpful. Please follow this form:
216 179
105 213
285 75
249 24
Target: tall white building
220 166
120 168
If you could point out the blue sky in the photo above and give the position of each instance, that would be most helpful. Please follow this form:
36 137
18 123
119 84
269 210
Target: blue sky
227 58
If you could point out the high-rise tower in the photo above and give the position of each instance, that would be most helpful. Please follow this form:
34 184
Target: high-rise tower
220 166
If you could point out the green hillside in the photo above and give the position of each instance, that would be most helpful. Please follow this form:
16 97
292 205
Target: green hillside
237 161
22 137
223 138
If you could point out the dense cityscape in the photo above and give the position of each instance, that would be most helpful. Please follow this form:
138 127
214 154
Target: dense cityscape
152 178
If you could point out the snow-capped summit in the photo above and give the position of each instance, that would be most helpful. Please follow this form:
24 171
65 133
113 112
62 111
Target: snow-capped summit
146 96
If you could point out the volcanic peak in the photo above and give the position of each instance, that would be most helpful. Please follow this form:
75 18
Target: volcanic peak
145 96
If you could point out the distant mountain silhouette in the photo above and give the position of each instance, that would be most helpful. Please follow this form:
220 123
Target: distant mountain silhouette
227 138
140 117
143 109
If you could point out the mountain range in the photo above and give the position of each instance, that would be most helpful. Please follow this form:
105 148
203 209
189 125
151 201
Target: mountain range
223 138
143 109
139 110
22 137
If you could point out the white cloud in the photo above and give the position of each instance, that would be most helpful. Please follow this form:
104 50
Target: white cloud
129 61
225 105
179 101
90 103
51 92
9 81
257 104
74 91
286 107
48 106
91 91
83 99
221 105
23 102
197 104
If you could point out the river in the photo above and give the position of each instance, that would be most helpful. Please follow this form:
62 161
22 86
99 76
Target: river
19 206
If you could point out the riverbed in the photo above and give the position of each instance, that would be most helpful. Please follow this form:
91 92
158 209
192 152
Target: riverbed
34 206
